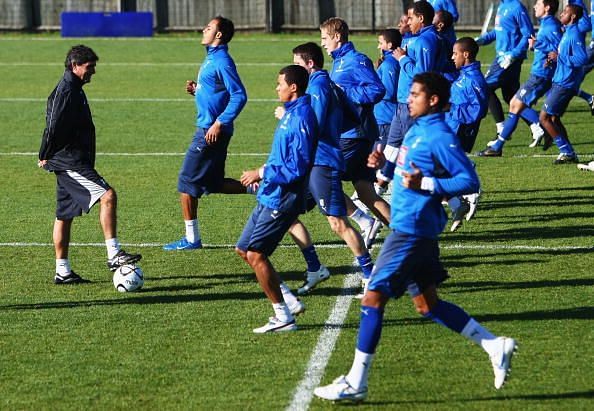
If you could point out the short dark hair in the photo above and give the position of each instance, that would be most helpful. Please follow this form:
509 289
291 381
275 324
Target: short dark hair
470 45
297 75
336 25
435 84
425 9
79 54
446 18
226 28
392 36
577 10
553 6
310 51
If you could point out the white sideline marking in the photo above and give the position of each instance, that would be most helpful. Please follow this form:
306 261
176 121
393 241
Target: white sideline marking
127 100
325 346
455 246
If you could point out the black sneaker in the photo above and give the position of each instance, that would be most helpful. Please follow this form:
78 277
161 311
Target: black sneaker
122 258
489 152
70 278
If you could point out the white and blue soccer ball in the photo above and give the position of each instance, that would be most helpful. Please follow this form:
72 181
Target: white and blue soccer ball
127 278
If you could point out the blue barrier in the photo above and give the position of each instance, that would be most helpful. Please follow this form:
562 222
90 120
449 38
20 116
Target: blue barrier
90 24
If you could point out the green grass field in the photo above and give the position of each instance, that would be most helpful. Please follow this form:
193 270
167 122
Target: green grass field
523 266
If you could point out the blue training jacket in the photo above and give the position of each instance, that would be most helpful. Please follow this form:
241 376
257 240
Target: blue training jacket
469 99
220 95
388 72
354 73
447 5
330 117
291 157
422 54
547 40
570 59
432 146
512 29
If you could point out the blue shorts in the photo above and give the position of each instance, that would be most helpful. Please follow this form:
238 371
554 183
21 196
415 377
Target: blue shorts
467 135
325 186
203 169
400 125
78 191
558 99
265 229
407 263
533 89
507 80
356 152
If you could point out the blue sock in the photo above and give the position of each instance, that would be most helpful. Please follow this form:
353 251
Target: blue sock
370 329
509 126
585 96
311 258
563 145
449 315
388 169
529 115
366 264
498 145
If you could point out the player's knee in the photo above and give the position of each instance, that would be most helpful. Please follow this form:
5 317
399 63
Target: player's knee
109 198
422 309
253 257
336 224
543 117
241 253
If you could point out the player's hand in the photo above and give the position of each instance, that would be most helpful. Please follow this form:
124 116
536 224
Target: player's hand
412 180
213 133
279 112
191 87
376 159
250 177
505 60
399 52
41 163
552 57
532 42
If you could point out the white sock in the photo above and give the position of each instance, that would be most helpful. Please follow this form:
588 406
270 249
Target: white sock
288 296
63 266
359 372
362 219
192 230
480 335
499 127
113 247
281 312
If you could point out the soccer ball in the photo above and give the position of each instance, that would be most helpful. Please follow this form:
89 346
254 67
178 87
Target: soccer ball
128 277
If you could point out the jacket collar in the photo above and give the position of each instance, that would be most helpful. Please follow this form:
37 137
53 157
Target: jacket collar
71 78
342 50
214 49
301 101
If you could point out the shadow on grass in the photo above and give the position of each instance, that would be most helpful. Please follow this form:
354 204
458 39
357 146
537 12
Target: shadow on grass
526 233
504 397
474 286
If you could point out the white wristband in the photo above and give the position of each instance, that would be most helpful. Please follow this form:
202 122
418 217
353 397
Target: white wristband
428 184
261 171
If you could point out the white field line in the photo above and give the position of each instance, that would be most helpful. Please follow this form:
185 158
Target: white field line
454 246
28 154
163 154
322 352
126 100
135 63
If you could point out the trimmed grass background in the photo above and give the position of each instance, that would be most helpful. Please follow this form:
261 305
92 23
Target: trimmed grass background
185 341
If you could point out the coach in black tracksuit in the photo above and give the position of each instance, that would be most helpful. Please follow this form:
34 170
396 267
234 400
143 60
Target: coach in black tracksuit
68 150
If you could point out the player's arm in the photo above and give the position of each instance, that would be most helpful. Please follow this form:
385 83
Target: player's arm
389 81
56 121
577 55
295 151
237 100
487 38
527 31
462 177
469 110
367 87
